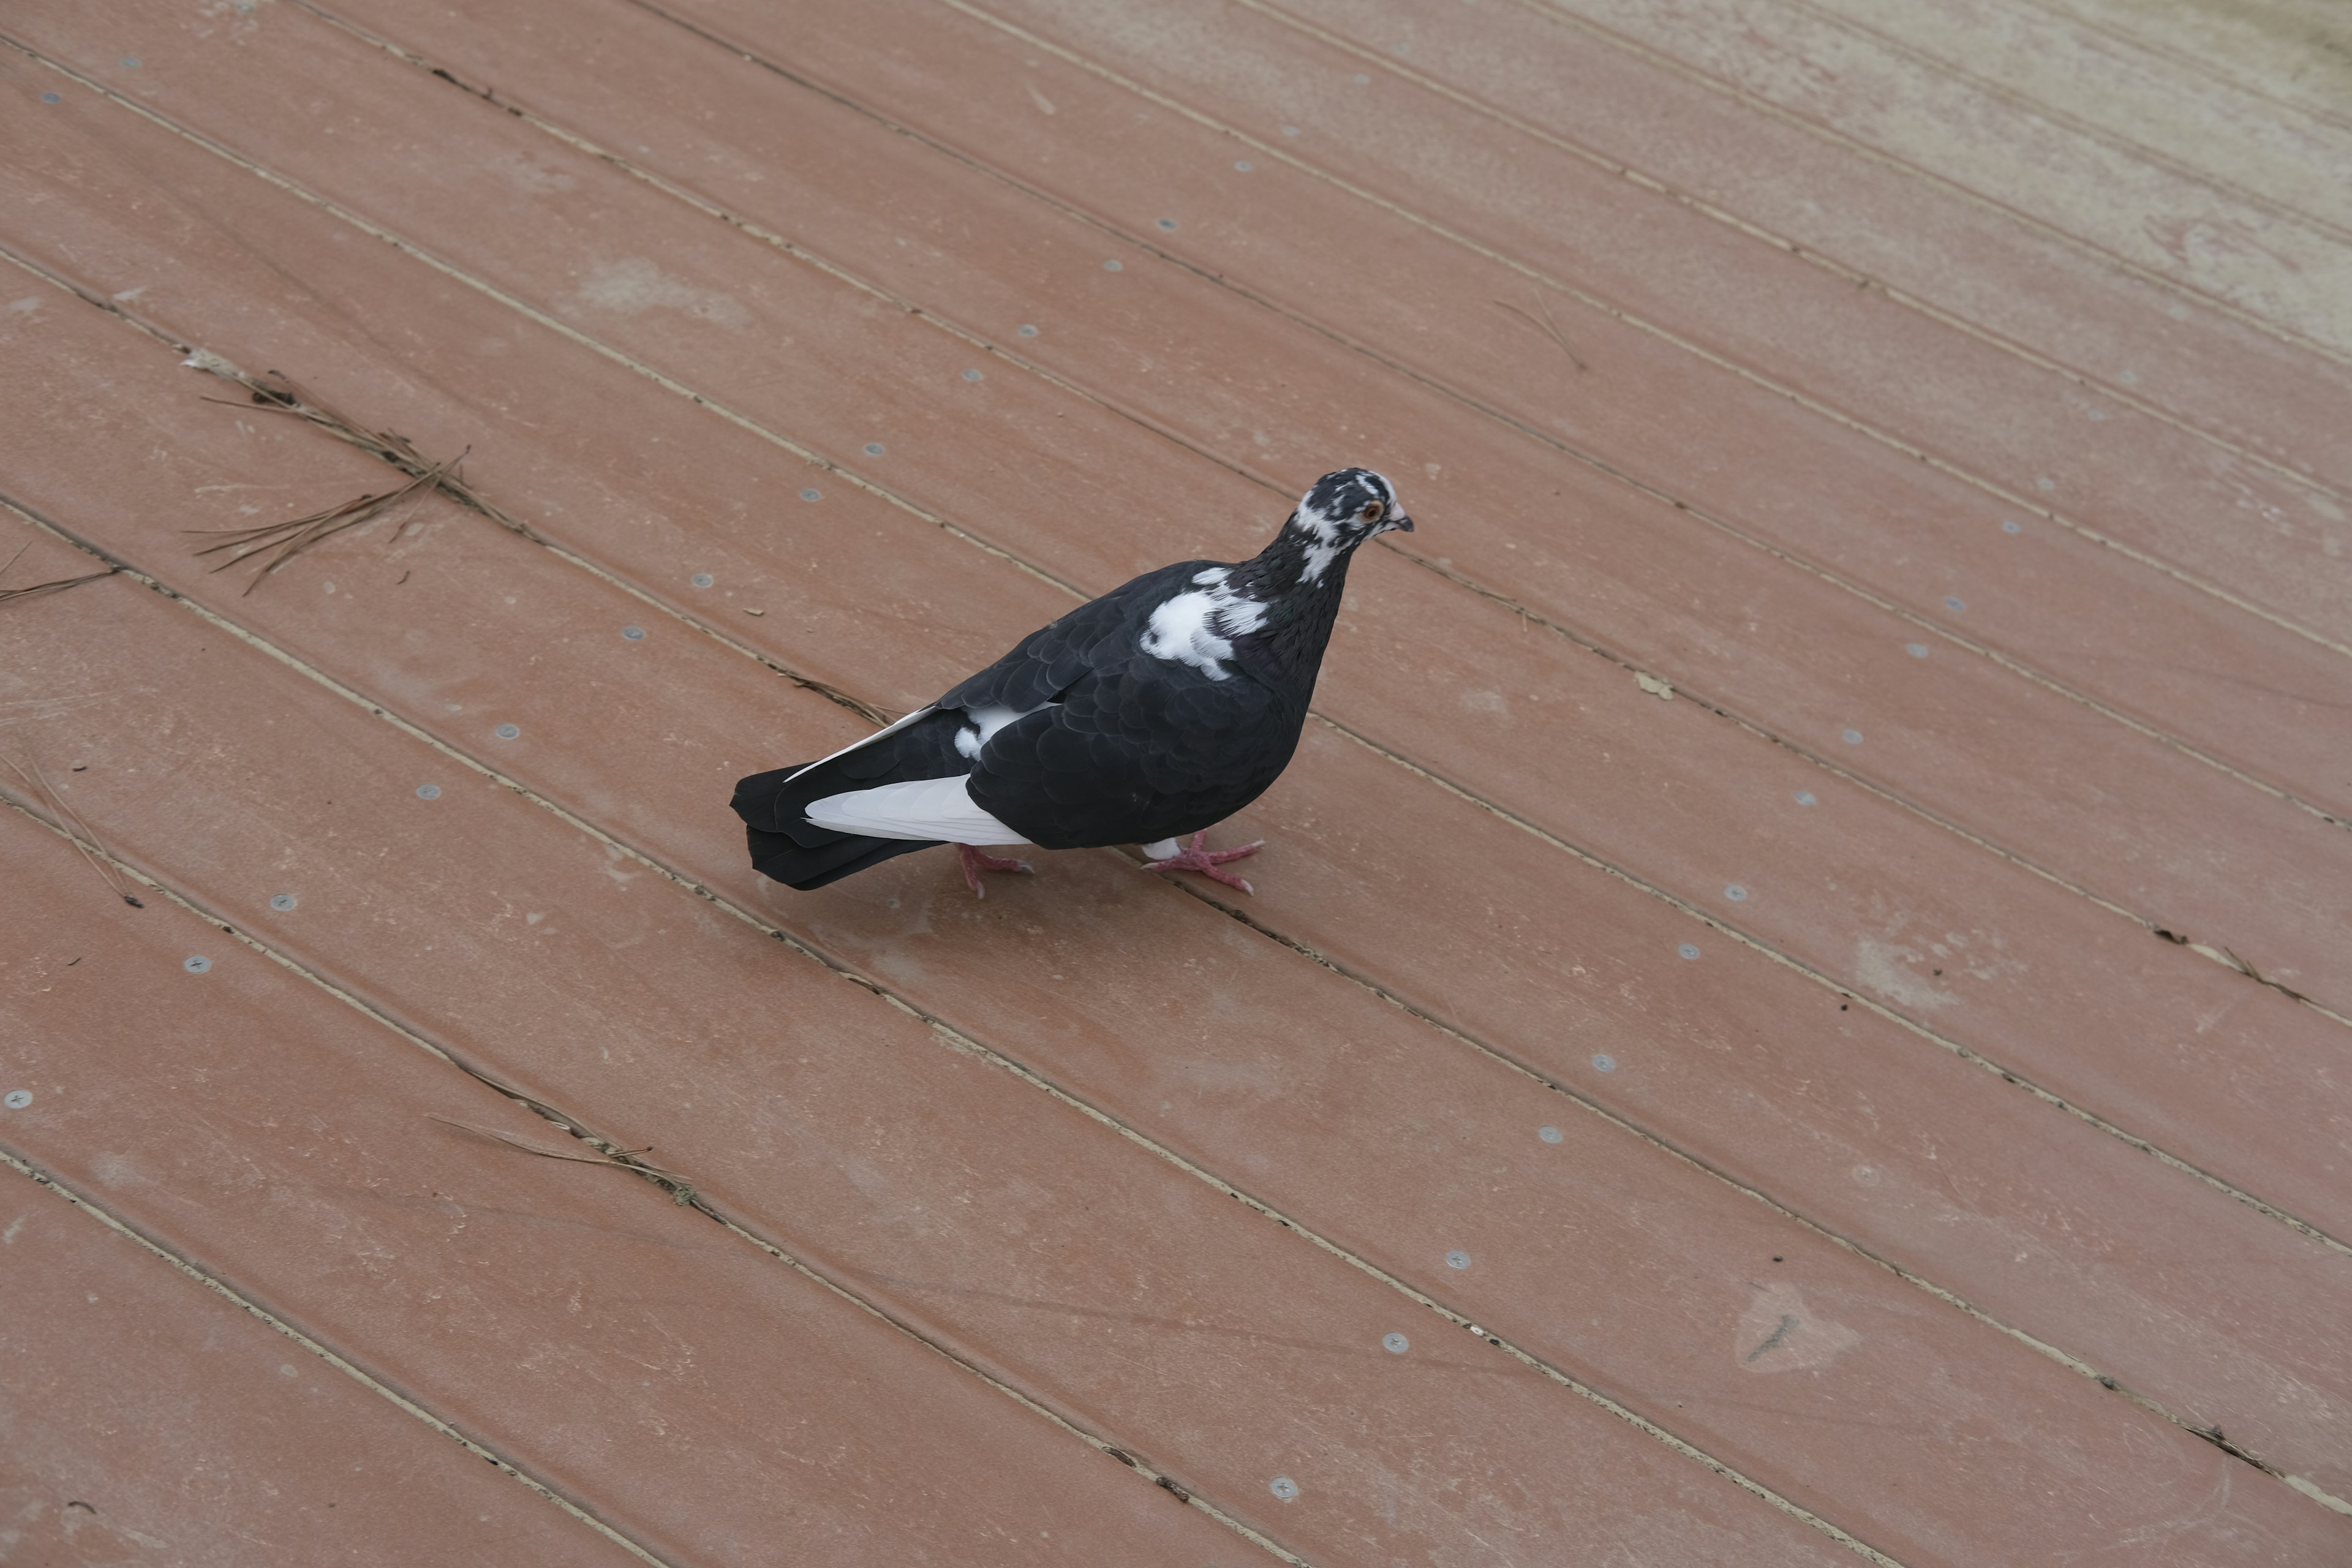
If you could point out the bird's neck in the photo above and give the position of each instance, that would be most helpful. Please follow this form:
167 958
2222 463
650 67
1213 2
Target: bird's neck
1300 580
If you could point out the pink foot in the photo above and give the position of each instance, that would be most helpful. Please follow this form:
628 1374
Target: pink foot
1196 857
974 863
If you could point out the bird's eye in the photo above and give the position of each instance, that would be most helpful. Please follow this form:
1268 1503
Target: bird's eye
1373 512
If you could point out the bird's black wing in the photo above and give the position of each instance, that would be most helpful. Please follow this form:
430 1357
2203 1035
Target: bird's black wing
1099 633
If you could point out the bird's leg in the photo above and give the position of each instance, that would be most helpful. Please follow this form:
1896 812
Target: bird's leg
974 863
1197 857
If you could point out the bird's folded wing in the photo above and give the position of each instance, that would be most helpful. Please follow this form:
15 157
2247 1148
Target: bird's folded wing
918 714
1098 635
916 809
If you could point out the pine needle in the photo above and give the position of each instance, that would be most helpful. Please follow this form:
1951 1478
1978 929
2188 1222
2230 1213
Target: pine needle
33 591
1548 327
292 537
79 830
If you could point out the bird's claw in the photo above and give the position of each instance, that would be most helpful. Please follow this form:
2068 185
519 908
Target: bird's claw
974 863
1197 857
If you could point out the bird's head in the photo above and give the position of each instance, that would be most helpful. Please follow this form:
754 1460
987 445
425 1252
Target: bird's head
1343 510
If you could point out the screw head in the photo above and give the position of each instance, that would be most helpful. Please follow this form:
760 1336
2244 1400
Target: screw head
1806 797
196 963
1168 223
428 792
509 731
17 1099
1114 266
281 902
1689 950
1457 1259
1736 893
1242 164
2009 525
130 62
1854 737
873 448
811 493
1915 649
51 98
1290 131
971 375
1548 1134
702 579
1395 1344
635 634
1283 1487
1604 1062
1028 331
1954 602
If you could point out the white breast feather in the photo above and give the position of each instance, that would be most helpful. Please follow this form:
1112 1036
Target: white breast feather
1196 628
918 808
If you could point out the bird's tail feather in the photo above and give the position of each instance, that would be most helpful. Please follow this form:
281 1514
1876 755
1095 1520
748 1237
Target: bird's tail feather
789 849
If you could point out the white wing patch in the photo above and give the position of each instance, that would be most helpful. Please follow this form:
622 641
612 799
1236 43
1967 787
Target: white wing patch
918 808
1196 628
984 722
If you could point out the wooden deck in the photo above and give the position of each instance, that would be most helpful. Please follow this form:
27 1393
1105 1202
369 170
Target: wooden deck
1799 1003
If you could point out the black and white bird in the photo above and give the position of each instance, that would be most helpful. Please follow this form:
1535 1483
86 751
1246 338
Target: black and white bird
1152 712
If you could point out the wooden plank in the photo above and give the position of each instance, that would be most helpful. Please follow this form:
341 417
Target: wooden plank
565 437
1194 1006
2190 121
148 1419
2026 435
2291 53
2132 821
703 1398
2266 264
1034 1241
2137 341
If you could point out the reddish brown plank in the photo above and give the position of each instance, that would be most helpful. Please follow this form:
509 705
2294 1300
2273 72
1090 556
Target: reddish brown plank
2133 820
1937 248
145 1419
2026 434
1033 1240
705 1399
1278 397
1156 957
2201 1365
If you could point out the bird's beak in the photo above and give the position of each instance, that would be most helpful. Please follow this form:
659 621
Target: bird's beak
1398 521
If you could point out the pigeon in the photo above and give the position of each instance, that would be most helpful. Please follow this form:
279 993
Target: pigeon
1149 714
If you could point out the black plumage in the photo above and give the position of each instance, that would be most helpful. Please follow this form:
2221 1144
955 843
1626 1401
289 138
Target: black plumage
1154 712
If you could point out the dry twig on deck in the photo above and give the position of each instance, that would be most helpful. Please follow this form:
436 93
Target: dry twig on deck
1540 319
677 1185
76 828
277 394
295 535
56 585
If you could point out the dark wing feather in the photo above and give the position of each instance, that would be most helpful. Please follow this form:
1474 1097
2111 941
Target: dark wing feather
1144 751
1101 633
